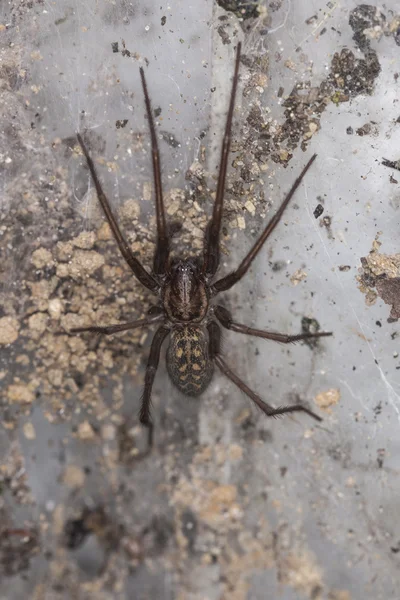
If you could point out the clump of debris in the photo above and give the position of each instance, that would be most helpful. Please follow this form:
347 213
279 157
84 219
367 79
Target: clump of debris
379 275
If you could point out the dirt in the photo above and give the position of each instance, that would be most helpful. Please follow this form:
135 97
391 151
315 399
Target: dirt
379 276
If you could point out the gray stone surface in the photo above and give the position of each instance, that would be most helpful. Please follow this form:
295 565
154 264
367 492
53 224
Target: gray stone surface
228 504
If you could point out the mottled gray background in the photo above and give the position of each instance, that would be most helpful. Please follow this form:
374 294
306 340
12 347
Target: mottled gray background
228 504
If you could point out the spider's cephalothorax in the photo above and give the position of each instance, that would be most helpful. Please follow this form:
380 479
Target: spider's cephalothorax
185 293
184 287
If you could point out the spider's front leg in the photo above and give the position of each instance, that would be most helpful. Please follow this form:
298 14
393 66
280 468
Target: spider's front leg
232 278
211 240
225 318
164 233
140 272
214 332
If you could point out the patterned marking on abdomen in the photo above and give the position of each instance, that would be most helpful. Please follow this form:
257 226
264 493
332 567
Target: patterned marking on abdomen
188 363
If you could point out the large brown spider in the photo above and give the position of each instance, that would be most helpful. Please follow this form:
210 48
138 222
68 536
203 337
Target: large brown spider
185 288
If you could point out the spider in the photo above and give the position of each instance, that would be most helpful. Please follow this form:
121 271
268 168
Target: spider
186 287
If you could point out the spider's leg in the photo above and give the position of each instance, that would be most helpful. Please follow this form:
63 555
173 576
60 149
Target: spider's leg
161 255
151 368
142 275
214 333
229 280
225 318
211 239
110 329
214 339
267 409
174 228
24 533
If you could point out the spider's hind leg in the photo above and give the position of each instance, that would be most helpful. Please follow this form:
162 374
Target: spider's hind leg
214 332
151 369
267 409
145 409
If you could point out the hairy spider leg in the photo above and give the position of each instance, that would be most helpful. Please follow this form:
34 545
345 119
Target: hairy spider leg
110 329
211 239
151 368
214 332
232 278
161 255
140 272
225 318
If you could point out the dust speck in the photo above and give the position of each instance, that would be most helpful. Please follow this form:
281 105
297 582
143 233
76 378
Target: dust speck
327 399
20 394
85 240
8 330
74 477
86 431
41 258
29 431
298 276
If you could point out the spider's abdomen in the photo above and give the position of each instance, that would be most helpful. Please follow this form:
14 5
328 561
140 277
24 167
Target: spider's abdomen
188 362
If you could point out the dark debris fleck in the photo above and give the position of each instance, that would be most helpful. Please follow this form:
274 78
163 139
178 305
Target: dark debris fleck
319 209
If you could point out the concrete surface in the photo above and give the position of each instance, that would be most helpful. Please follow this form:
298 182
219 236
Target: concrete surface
228 504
